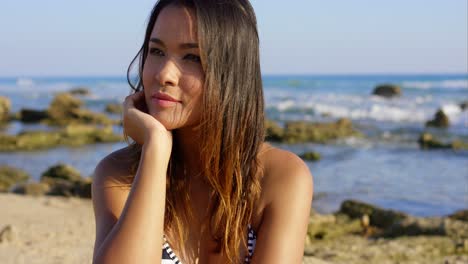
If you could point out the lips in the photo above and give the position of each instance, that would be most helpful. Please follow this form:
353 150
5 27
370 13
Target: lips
166 97
164 100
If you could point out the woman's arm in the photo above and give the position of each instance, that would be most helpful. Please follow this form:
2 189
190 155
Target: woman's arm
137 235
133 234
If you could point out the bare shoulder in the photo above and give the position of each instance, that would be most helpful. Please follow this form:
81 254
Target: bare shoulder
114 168
284 169
287 190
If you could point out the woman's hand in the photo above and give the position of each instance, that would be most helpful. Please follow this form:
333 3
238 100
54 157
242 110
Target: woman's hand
141 126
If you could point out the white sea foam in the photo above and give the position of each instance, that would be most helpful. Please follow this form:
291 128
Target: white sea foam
377 112
413 110
449 84
284 105
451 109
24 82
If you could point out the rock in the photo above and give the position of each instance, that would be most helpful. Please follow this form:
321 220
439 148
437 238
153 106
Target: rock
412 226
387 90
66 109
32 188
319 219
463 105
456 229
77 135
300 131
440 120
114 108
65 180
83 188
312 156
63 106
61 171
459 144
70 135
365 221
460 215
10 176
80 91
378 217
32 116
308 240
327 231
273 131
5 106
330 226
7 234
61 187
84 116
35 140
426 141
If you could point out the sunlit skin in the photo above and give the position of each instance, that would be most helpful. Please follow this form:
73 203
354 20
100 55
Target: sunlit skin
173 67
125 218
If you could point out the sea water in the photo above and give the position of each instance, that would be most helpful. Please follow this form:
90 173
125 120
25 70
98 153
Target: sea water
386 167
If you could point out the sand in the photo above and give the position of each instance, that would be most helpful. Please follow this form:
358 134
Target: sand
50 230
60 230
46 229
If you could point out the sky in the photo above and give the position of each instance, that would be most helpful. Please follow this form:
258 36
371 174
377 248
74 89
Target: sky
96 38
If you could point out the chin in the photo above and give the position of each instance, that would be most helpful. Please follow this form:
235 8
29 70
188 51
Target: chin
165 120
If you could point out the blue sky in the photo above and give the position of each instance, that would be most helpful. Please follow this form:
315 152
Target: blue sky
70 38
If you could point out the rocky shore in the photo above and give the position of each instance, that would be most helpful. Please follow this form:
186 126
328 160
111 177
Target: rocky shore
57 229
52 221
71 124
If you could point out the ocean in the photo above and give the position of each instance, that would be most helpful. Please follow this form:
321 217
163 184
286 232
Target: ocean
386 167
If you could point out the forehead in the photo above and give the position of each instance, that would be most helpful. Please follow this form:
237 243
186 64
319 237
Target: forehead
175 24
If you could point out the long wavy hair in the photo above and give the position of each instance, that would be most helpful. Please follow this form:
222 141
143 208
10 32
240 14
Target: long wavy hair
232 121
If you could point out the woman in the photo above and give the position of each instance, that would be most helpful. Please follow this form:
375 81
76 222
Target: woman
198 181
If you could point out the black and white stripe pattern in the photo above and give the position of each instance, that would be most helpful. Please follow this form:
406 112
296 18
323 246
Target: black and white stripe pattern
252 239
169 257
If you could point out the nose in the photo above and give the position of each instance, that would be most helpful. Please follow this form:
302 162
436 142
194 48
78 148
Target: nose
168 74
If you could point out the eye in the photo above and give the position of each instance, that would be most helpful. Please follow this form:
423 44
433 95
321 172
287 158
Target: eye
193 58
156 51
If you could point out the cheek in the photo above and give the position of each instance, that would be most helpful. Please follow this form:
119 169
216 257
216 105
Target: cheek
194 91
193 83
147 73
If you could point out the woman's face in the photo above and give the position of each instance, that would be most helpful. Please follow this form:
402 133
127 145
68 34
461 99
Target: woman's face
173 68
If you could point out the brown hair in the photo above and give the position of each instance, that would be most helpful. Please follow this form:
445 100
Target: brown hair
232 120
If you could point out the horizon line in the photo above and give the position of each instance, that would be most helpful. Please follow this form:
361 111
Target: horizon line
264 74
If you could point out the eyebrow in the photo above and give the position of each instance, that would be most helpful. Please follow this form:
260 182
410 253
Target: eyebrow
181 46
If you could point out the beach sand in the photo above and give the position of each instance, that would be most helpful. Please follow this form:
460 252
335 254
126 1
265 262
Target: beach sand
50 230
61 230
46 229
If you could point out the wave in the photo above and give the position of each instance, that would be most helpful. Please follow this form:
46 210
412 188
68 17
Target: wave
447 84
24 82
406 110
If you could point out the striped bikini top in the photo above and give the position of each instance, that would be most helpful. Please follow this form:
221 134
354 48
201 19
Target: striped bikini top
169 257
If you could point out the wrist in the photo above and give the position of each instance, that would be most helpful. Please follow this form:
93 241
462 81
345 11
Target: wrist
156 138
159 143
